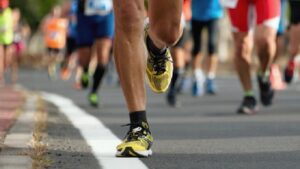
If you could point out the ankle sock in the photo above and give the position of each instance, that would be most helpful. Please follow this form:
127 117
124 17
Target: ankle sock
155 50
138 118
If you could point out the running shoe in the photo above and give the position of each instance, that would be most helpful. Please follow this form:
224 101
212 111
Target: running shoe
85 80
137 143
93 99
289 71
248 106
210 86
77 85
266 90
159 69
172 99
197 89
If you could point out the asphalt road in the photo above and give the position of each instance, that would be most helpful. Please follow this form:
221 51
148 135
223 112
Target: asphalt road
205 133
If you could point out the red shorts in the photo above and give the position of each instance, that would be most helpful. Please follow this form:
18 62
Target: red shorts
19 47
267 12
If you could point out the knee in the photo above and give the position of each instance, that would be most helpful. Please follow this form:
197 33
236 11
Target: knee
196 50
264 42
169 33
129 21
211 48
242 49
294 50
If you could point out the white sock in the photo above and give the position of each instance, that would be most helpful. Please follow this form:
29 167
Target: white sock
199 76
211 75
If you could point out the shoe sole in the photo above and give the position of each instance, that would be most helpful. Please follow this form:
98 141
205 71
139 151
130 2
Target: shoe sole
94 105
152 87
247 111
129 152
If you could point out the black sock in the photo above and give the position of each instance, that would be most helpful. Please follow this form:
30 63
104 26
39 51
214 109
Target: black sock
85 69
138 118
177 73
98 75
155 50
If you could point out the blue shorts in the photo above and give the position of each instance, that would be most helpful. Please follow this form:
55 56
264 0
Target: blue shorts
90 28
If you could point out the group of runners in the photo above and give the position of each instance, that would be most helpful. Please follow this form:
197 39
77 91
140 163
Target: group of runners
13 35
157 49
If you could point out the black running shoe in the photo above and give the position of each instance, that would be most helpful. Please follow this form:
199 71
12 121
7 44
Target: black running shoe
289 71
248 106
266 91
172 99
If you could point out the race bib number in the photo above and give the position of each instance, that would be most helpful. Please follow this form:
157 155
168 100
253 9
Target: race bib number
53 35
98 7
229 3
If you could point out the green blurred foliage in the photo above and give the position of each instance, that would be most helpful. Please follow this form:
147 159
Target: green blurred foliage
33 11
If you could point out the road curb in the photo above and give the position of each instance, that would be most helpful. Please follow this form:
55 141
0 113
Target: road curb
17 139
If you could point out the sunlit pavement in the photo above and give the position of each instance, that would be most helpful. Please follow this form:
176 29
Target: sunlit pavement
204 133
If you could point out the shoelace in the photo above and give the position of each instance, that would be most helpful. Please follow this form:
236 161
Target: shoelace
159 63
131 134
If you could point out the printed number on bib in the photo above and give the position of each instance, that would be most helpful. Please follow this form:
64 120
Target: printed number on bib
98 7
229 3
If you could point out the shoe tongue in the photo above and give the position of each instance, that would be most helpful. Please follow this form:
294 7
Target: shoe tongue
137 129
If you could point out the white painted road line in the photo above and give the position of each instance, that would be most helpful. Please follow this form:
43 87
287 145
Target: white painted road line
102 141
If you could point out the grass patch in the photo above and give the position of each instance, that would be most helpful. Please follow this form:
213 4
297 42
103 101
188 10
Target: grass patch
37 148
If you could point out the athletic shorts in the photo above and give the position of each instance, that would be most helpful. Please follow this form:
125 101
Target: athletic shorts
212 30
266 12
295 12
71 45
19 47
282 22
90 28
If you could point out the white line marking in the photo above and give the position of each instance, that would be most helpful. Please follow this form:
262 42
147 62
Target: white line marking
102 141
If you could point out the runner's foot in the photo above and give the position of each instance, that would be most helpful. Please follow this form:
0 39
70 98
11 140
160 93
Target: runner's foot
137 143
248 106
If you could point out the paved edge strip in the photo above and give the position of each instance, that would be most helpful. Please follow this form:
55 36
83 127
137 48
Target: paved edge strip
19 136
102 141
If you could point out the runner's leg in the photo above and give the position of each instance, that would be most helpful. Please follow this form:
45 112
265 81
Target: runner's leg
103 47
198 75
2 60
294 46
129 51
165 18
130 61
243 47
265 40
212 60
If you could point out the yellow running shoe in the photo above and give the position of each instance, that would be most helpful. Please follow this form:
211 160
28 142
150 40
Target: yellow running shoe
137 143
159 69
